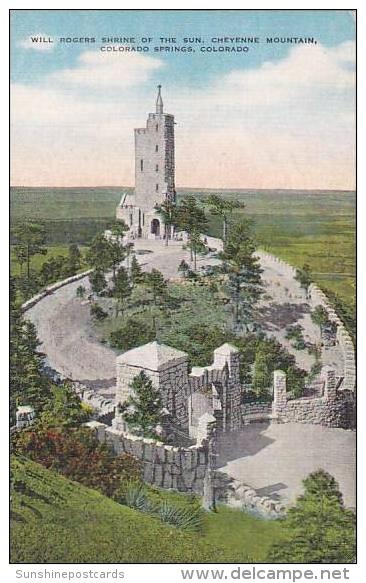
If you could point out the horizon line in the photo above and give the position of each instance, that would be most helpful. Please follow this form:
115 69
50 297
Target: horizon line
315 189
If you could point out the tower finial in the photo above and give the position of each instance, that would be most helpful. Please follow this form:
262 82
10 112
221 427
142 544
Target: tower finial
159 101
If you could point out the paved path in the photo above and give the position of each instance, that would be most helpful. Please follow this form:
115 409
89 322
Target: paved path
63 321
273 459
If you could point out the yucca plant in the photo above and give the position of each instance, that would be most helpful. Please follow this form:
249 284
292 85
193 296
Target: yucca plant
185 518
135 497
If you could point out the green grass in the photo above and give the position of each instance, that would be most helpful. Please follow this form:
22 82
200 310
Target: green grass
54 520
38 260
317 228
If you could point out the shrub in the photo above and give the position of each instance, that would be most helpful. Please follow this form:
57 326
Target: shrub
80 291
135 497
76 454
185 518
97 312
132 333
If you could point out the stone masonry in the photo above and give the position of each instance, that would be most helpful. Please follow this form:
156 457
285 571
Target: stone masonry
154 175
169 372
332 409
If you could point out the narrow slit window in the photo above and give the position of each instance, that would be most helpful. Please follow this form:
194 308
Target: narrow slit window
157 127
157 168
157 188
141 165
156 148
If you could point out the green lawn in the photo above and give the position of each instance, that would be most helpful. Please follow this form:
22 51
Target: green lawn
38 260
54 520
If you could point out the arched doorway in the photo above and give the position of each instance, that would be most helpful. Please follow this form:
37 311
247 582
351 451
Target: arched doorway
155 227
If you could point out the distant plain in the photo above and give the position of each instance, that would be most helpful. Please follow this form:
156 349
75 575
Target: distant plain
314 227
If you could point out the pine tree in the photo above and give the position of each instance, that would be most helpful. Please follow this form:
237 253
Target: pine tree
122 289
244 282
137 275
30 238
98 281
73 260
262 376
167 212
192 219
223 208
319 528
142 410
157 284
28 384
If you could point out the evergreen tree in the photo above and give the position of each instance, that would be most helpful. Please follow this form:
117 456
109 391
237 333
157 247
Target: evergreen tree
21 256
167 210
244 282
142 410
117 255
97 281
197 247
73 260
262 377
30 238
99 254
137 275
157 285
122 289
223 208
192 219
54 268
28 384
319 528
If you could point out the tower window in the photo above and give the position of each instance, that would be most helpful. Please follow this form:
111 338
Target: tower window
157 127
141 165
156 148
157 188
157 168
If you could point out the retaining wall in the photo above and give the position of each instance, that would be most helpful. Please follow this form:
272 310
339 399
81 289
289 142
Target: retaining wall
165 466
318 297
333 409
51 289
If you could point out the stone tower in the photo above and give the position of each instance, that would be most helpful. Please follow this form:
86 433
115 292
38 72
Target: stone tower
154 174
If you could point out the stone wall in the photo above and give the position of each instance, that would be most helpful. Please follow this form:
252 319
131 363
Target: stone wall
318 297
184 469
343 337
165 466
257 411
332 409
51 289
176 385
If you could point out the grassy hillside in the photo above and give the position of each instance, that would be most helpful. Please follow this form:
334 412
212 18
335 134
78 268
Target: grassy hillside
54 520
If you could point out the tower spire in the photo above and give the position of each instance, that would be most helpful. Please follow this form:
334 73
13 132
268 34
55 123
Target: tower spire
159 101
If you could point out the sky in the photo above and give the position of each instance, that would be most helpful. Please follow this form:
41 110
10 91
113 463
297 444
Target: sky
280 115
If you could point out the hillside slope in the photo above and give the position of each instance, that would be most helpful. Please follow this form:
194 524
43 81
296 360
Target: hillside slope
54 520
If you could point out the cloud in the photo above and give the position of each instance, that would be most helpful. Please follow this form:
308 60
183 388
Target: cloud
287 124
112 70
32 42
